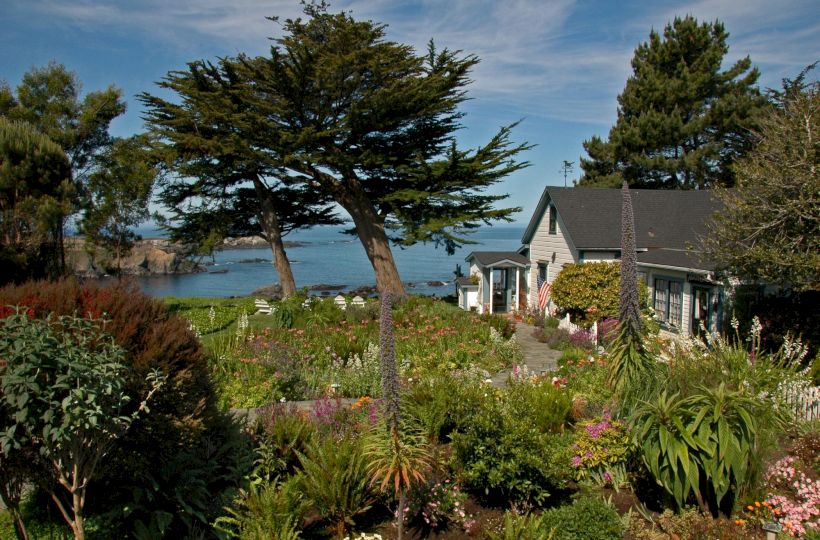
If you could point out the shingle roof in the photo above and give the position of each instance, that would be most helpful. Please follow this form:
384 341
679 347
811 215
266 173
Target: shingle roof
486 258
666 221
465 281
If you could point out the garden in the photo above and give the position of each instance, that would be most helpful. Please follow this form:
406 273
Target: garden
120 418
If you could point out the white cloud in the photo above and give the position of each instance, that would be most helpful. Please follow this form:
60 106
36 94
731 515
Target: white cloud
552 60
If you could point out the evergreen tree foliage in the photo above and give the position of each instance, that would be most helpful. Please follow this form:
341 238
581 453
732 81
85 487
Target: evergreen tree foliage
371 123
35 196
682 121
117 196
51 100
769 228
229 178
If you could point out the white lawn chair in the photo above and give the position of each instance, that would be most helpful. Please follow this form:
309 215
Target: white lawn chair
262 307
340 302
357 301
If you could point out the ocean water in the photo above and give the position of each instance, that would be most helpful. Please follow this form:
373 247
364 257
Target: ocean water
328 256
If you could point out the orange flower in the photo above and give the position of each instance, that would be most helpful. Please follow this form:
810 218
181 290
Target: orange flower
757 503
740 522
750 507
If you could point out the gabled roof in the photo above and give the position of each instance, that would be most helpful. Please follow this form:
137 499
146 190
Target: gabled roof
489 258
666 221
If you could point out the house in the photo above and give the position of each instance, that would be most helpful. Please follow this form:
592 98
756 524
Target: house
575 225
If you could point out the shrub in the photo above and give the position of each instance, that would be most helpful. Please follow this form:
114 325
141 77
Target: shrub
183 415
63 380
544 405
587 518
434 505
269 510
688 524
281 432
522 527
590 291
600 447
558 338
583 339
501 452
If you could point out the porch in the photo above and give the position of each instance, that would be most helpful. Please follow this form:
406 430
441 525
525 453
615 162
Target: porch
497 282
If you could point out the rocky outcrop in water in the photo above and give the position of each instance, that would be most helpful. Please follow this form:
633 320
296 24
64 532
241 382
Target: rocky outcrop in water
153 256
252 242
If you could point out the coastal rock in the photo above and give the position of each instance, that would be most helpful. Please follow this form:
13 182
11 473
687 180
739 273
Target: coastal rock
326 287
272 292
252 242
436 283
154 256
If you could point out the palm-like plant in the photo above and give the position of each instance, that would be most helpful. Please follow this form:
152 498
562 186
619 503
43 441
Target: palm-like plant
335 479
702 445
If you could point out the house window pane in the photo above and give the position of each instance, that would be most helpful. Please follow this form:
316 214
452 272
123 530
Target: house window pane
675 300
661 298
552 220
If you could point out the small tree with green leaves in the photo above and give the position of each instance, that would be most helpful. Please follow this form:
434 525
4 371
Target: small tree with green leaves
769 227
64 379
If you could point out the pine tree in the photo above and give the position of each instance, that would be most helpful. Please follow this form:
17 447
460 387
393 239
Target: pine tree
35 195
682 122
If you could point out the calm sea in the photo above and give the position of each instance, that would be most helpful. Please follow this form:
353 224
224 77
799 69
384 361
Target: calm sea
328 256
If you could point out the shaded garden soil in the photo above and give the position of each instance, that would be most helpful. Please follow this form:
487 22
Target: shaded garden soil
485 519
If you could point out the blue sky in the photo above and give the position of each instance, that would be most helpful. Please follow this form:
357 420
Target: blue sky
557 64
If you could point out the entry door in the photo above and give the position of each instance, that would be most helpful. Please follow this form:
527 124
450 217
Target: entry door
500 289
701 309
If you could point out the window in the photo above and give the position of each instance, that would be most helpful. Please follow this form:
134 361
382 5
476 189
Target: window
668 302
552 219
544 271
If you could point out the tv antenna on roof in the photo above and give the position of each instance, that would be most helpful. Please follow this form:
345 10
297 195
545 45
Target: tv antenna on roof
566 168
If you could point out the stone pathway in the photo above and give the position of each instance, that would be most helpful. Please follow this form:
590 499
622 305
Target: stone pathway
538 357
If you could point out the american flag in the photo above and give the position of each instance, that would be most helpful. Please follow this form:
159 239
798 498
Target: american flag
543 292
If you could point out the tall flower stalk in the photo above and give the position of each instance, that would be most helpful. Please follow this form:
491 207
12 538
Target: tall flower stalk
396 459
631 368
389 371
630 312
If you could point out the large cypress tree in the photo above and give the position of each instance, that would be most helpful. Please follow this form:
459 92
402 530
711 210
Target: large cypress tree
228 179
682 121
371 123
